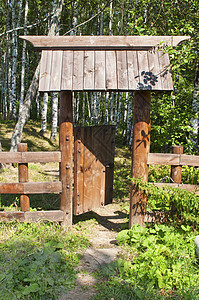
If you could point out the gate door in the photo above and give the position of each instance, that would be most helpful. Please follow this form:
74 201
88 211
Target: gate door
93 167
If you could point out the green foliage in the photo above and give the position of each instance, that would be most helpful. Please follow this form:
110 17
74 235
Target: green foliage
37 260
163 265
182 205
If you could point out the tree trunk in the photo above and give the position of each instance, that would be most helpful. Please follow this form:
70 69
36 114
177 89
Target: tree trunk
53 135
44 114
25 109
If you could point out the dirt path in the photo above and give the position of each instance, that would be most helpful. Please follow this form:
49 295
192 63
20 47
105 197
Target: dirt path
103 250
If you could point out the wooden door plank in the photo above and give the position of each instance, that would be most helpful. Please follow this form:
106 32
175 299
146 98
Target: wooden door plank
100 70
45 71
89 70
78 71
111 70
122 73
165 71
67 71
144 82
154 70
133 71
56 71
78 170
88 170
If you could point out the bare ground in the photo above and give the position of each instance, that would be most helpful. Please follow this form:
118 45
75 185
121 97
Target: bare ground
103 250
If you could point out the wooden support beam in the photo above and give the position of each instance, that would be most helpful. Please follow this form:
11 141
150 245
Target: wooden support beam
176 170
44 187
66 148
23 177
140 149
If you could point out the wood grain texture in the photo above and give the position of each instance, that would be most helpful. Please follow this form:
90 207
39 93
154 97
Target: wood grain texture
163 159
11 188
140 150
189 160
66 148
23 177
10 157
188 187
8 216
55 80
111 70
176 170
42 187
122 73
133 71
78 71
100 83
165 71
67 71
89 68
45 71
144 83
102 42
51 215
41 157
153 77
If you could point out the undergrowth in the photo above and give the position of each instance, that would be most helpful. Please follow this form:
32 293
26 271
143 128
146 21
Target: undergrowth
37 260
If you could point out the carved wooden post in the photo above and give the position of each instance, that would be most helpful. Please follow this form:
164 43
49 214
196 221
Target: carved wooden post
66 148
140 149
176 171
23 177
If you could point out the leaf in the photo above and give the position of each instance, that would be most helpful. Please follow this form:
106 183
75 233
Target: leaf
32 288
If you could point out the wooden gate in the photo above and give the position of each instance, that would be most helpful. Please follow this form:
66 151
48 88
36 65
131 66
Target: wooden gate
93 167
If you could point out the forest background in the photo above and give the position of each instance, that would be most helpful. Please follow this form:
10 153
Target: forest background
174 116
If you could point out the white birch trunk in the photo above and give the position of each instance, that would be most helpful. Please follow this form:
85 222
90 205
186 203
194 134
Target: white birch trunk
125 116
25 111
44 113
106 109
53 135
119 111
129 118
111 18
195 107
23 57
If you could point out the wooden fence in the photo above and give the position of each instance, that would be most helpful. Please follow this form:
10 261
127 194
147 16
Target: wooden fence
176 160
23 187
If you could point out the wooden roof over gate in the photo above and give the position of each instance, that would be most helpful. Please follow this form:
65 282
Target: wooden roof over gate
102 63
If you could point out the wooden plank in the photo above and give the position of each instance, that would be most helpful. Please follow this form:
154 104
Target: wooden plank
188 160
188 187
51 215
163 159
156 216
111 70
89 70
154 70
10 157
45 71
102 42
11 188
7 216
144 82
42 187
67 71
66 148
41 157
133 71
78 170
165 71
56 71
100 83
23 177
78 71
122 74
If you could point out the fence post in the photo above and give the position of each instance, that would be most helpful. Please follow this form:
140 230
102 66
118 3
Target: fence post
176 171
140 149
66 148
23 177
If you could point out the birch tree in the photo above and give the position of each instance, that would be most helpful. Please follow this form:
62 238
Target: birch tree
25 109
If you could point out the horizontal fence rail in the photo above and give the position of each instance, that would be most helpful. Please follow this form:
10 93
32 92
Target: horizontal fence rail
31 188
172 159
30 157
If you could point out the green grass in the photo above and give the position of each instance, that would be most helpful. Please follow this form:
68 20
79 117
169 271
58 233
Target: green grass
37 260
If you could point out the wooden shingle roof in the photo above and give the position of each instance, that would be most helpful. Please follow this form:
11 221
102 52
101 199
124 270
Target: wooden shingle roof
101 63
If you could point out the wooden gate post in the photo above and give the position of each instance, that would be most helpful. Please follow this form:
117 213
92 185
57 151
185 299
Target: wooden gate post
66 148
140 149
23 177
176 171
